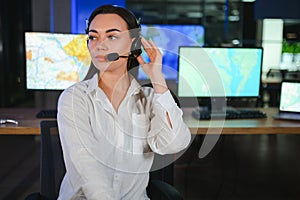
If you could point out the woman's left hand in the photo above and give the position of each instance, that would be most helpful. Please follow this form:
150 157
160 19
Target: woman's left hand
154 67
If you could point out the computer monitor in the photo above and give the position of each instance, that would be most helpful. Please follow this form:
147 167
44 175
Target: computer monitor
168 38
55 61
212 72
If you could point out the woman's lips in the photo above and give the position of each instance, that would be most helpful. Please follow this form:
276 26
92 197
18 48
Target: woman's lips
100 58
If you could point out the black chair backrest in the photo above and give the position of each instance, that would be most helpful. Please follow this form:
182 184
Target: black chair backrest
166 173
52 167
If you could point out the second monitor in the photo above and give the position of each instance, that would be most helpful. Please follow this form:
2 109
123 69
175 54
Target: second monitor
168 38
206 72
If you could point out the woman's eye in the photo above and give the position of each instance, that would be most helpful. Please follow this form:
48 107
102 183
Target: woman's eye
90 38
112 37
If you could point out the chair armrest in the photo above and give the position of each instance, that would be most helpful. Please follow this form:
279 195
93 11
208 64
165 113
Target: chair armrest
165 189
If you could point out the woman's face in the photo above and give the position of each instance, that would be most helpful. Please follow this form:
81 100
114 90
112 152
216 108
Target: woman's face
108 33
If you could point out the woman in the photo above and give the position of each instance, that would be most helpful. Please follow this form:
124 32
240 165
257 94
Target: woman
109 126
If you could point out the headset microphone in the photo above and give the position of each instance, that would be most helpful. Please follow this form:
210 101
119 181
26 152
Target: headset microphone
114 56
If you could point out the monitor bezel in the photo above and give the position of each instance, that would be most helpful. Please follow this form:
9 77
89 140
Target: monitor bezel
228 98
286 81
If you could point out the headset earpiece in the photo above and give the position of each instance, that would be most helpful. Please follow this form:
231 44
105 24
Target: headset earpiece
136 46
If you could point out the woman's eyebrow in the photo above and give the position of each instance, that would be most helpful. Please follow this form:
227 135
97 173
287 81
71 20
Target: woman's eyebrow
92 30
111 30
107 31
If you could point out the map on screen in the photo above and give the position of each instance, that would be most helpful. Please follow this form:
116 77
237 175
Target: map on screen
219 72
168 38
290 97
55 61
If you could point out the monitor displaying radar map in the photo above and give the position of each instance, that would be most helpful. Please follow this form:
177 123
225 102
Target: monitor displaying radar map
168 38
55 61
219 72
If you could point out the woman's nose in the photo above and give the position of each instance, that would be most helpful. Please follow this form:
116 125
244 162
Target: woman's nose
101 44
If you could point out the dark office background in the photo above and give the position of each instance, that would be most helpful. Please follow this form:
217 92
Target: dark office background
16 16
240 167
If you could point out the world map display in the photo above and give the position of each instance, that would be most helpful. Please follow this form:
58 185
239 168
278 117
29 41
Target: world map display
55 61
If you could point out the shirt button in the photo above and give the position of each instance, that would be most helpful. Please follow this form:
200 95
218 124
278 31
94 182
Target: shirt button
117 176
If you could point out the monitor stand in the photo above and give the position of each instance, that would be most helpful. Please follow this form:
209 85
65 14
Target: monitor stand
214 104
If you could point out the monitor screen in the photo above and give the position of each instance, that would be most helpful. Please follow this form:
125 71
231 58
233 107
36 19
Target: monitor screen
55 61
168 38
219 72
290 97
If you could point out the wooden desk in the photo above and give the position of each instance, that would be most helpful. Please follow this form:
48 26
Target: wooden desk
29 124
245 126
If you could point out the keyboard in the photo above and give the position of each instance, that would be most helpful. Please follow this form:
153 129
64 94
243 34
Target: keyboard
228 114
50 113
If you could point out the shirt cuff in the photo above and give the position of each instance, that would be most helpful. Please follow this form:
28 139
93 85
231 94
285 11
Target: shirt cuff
166 100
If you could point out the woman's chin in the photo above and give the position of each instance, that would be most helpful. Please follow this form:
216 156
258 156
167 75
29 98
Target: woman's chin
102 66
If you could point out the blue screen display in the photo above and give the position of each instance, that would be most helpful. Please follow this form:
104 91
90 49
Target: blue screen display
219 72
169 38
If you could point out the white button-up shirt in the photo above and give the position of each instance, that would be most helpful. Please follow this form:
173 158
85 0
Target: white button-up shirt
108 154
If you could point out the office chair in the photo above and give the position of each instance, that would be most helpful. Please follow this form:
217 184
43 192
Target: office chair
52 169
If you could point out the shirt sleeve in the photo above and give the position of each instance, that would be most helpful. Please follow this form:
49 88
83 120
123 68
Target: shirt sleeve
79 147
163 138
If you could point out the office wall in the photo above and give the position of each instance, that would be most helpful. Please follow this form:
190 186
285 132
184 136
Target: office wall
279 9
82 9
15 17
272 34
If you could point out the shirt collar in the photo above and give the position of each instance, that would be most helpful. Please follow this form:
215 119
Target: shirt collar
93 83
134 88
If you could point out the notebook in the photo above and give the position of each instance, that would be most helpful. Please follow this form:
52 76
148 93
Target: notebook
289 106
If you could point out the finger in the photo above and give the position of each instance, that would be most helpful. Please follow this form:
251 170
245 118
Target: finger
153 46
145 43
151 52
141 60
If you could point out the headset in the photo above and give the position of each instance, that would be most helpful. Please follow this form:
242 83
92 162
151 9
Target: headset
135 49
